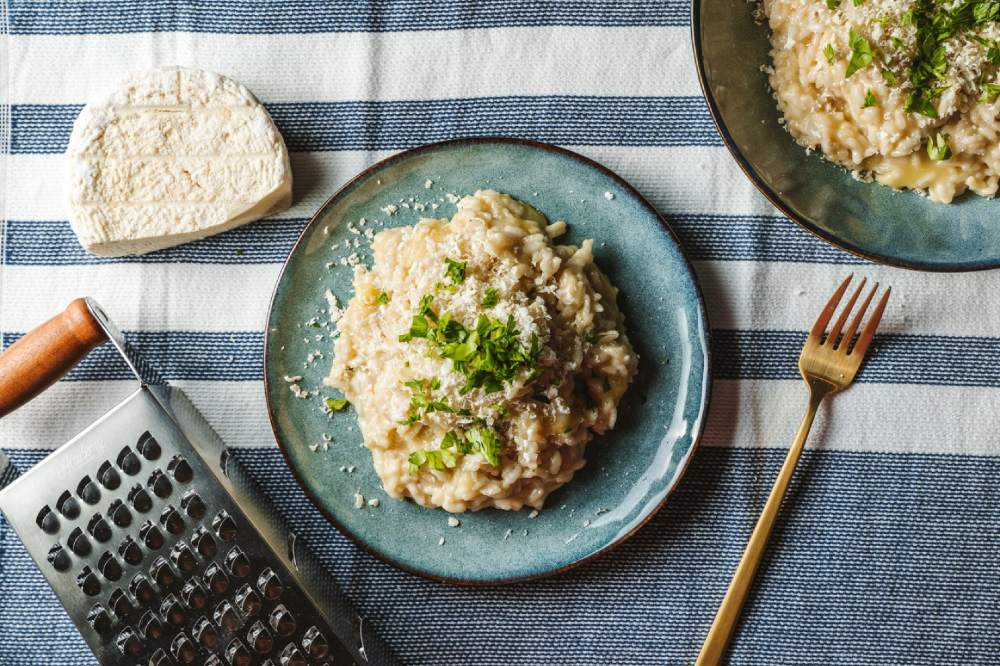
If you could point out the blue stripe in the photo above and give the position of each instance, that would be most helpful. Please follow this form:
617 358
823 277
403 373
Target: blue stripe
63 17
52 243
705 238
395 125
876 559
768 354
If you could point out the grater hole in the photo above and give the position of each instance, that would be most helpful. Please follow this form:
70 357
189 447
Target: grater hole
68 506
130 551
128 642
109 567
148 446
160 658
260 638
120 604
180 469
128 462
315 643
108 477
237 563
226 617
98 619
159 484
204 543
171 520
151 536
99 528
205 633
88 582
291 656
183 649
47 520
141 590
282 621
140 499
172 611
88 491
151 627
194 595
78 542
119 514
237 653
58 557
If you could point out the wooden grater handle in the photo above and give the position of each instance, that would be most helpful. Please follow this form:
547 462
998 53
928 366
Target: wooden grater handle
45 354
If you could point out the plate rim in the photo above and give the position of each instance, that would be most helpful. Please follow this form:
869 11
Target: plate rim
775 197
706 393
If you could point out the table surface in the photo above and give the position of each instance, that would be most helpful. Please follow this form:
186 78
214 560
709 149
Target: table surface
887 550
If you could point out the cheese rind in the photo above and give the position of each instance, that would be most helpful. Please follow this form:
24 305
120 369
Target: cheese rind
173 155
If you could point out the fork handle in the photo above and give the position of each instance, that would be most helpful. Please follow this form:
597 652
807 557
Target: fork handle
714 647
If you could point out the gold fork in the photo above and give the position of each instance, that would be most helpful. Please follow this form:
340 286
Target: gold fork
828 364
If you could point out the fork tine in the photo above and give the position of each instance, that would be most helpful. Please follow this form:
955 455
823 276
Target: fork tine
831 339
869 332
856 322
824 317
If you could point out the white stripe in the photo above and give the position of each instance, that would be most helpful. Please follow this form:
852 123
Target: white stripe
676 180
865 417
788 296
236 410
744 414
202 297
339 66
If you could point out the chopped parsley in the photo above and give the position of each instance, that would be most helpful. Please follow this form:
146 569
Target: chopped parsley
861 53
935 24
897 42
988 92
382 299
421 402
490 298
832 4
488 355
889 77
440 460
870 99
937 148
455 271
481 440
336 404
829 53
858 3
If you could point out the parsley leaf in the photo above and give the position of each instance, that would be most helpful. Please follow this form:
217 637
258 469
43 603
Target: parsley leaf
921 101
937 148
993 55
383 298
861 53
336 404
829 53
832 4
455 270
989 92
490 298
870 99
488 356
485 442
858 3
889 77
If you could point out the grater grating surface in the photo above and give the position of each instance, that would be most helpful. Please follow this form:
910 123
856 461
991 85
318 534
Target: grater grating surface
162 552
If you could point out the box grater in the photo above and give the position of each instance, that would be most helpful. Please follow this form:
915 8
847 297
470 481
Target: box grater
161 549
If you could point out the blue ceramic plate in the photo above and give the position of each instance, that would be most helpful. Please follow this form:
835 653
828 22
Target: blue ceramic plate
897 228
629 472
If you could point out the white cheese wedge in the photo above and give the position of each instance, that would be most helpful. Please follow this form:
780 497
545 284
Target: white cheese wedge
171 156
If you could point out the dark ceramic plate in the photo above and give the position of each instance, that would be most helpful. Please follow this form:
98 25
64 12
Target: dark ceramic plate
897 228
630 471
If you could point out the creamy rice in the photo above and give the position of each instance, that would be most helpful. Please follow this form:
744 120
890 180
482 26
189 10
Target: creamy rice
859 119
548 303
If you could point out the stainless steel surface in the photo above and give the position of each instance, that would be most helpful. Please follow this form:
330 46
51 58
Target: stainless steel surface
87 534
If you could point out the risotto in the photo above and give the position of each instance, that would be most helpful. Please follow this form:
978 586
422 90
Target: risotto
904 92
481 357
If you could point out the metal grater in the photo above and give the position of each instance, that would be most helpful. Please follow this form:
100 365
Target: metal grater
164 552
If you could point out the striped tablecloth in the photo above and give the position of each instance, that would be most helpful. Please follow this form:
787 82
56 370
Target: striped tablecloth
886 553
